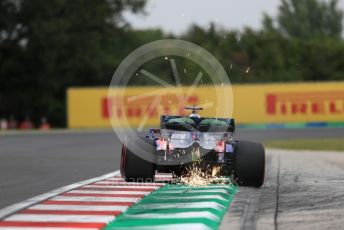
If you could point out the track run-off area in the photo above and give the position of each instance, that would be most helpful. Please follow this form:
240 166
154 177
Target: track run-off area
302 190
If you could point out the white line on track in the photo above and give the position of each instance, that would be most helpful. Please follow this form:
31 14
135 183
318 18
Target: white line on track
22 205
122 186
79 207
166 175
94 199
61 218
109 192
106 182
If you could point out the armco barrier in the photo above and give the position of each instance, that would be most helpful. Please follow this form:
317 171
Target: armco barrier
317 103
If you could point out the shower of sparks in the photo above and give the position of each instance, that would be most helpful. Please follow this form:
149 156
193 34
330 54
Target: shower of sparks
197 176
215 171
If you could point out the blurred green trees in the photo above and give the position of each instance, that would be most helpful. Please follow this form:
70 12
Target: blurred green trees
48 46
308 19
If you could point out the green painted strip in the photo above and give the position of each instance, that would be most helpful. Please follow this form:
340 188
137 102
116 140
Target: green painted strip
175 206
336 124
294 125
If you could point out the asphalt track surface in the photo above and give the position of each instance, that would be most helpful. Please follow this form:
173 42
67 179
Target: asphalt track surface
302 190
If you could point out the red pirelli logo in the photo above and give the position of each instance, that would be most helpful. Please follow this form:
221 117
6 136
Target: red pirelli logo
129 107
305 103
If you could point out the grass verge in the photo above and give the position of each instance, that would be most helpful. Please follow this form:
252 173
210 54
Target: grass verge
334 144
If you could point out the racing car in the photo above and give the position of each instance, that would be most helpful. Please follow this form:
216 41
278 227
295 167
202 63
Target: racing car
182 141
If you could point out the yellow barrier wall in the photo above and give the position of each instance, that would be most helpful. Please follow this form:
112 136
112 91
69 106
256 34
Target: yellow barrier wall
265 103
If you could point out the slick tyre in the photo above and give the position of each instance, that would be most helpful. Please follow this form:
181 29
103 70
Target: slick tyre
249 164
134 168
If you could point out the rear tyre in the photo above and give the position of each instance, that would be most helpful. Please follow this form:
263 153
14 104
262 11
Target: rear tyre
134 168
249 164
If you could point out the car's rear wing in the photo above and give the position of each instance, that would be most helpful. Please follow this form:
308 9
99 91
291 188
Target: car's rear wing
205 124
